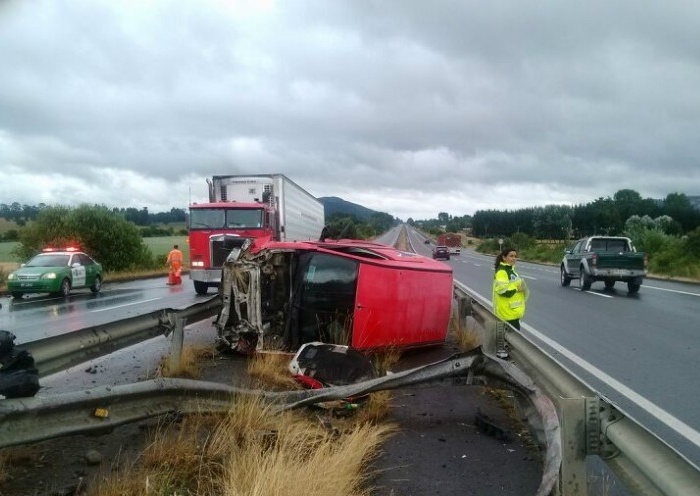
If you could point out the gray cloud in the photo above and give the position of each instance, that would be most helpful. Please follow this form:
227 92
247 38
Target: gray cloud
408 107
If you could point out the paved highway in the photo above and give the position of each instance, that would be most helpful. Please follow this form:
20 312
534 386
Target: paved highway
642 352
35 317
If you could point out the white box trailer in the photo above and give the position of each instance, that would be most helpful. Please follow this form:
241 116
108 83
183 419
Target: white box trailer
300 216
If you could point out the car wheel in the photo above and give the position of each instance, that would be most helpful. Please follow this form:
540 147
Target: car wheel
609 285
97 285
584 280
65 288
17 295
200 287
565 280
633 287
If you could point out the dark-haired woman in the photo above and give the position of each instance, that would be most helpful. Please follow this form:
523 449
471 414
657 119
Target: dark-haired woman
509 290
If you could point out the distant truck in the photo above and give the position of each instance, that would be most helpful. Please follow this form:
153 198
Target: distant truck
604 258
452 240
259 207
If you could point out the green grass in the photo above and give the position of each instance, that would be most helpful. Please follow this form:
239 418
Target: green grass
162 245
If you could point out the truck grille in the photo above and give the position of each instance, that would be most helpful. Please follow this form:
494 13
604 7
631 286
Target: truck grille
221 246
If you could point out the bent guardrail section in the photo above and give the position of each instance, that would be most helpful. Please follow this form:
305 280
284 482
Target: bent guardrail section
590 424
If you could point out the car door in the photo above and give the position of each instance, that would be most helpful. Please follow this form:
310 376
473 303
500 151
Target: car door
90 268
77 271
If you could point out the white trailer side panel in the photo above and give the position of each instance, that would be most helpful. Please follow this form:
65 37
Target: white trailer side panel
301 215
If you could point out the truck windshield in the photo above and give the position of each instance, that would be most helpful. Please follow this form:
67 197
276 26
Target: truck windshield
219 218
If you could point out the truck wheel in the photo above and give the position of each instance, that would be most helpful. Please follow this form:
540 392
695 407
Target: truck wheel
633 287
609 285
565 280
584 280
200 287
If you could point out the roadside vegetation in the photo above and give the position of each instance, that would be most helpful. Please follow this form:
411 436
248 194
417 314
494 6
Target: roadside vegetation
667 230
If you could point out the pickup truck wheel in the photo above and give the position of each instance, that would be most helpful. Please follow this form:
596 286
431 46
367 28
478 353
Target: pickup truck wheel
633 287
565 280
609 285
584 280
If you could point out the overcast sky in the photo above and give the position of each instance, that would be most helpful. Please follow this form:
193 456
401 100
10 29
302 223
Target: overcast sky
410 107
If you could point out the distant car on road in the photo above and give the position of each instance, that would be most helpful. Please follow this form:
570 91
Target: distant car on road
56 271
441 252
427 241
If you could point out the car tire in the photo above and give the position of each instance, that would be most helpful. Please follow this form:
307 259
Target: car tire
609 285
200 287
97 285
65 288
584 280
633 287
564 279
17 295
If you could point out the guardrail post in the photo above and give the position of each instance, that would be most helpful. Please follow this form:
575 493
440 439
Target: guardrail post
573 478
178 341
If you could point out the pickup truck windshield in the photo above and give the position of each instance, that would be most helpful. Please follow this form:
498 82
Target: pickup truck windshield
217 218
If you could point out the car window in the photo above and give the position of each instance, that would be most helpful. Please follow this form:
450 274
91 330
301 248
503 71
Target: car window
49 261
84 259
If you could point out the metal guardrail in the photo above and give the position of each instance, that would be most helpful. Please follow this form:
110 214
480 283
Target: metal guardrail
63 351
591 426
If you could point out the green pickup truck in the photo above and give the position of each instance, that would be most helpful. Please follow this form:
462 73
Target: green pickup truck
604 258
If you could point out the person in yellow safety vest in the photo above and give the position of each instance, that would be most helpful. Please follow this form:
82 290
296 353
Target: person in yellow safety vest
510 292
175 262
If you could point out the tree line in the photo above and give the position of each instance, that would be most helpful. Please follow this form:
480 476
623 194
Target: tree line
21 214
604 215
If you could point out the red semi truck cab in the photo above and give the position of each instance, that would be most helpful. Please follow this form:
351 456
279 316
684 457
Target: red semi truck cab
216 228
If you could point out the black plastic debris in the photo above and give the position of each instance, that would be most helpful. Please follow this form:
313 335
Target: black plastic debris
331 364
486 425
19 377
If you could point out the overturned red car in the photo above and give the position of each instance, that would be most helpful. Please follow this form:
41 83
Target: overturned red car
281 295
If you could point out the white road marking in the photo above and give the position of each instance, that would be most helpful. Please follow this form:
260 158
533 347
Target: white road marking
671 290
596 294
122 306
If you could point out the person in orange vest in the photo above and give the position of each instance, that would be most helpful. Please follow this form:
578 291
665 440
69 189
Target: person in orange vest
175 263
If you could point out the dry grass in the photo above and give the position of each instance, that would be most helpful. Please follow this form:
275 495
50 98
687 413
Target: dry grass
271 369
467 339
250 451
295 452
190 363
385 360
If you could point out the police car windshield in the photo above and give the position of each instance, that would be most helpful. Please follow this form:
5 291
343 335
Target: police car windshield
48 261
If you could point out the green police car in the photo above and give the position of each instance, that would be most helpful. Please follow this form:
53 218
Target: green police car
56 272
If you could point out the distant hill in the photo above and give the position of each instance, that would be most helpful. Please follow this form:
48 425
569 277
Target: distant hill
335 205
